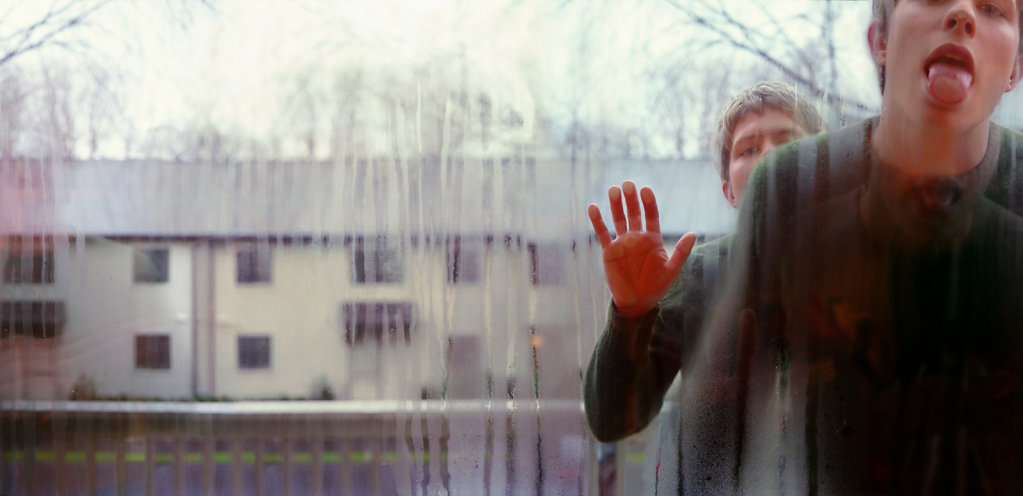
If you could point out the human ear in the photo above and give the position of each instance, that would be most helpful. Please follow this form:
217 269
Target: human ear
1014 77
877 43
726 189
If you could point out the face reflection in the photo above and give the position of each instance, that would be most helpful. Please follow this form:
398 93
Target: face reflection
754 135
978 37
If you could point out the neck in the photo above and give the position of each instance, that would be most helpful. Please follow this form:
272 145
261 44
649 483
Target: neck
920 150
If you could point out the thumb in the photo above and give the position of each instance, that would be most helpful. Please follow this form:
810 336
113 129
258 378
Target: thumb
681 253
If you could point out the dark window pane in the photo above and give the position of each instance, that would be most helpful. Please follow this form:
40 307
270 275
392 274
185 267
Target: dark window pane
374 262
29 260
152 265
254 264
253 352
546 265
379 321
39 319
152 351
463 262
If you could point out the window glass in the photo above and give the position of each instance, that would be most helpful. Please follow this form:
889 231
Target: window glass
254 352
316 247
38 319
254 264
373 261
546 265
152 265
152 351
28 260
377 322
464 261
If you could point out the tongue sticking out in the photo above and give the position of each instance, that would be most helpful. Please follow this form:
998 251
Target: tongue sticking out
948 83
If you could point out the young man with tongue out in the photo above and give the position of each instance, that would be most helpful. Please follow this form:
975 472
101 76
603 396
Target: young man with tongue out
873 323
870 332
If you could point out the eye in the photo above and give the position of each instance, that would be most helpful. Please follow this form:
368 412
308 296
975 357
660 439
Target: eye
749 151
992 10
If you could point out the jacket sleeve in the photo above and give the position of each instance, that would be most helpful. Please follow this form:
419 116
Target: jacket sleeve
636 359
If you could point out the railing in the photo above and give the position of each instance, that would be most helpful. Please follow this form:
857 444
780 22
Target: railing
336 447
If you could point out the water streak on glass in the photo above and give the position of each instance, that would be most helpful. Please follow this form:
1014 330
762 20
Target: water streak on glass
307 248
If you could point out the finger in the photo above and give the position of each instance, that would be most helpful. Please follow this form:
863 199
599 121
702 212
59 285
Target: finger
598 226
617 212
681 253
632 206
653 222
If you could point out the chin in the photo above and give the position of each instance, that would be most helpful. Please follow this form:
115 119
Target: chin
958 116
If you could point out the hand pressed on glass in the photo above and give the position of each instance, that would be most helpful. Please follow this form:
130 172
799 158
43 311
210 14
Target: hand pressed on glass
638 269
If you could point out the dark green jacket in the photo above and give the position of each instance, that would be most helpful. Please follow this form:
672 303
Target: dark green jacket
636 359
868 339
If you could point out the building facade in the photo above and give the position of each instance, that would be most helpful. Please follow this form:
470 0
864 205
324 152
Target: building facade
364 280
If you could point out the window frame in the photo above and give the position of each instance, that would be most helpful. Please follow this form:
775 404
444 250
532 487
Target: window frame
464 262
360 329
258 260
150 345
42 263
550 251
382 256
243 352
148 253
43 318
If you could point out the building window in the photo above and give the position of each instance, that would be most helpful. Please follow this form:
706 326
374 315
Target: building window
253 352
29 260
152 351
546 265
254 263
369 320
463 262
374 262
39 319
152 265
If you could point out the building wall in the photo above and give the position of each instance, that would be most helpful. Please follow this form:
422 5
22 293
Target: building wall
104 309
294 308
483 335
107 309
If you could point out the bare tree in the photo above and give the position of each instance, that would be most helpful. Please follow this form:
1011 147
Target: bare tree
689 101
797 62
69 24
53 27
12 101
55 58
57 120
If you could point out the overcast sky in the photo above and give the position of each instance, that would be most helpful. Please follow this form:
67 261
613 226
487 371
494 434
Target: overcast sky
234 65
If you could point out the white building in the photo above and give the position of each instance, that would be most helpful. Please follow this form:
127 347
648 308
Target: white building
368 279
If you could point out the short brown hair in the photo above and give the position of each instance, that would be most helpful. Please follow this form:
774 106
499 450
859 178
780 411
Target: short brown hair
882 10
770 95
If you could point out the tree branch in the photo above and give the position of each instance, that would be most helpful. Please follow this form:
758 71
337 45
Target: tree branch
53 25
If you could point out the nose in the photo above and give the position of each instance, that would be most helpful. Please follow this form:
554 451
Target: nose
960 18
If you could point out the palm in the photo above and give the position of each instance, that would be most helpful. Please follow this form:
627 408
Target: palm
639 270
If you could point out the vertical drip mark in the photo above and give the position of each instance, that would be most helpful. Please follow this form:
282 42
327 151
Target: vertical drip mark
812 397
680 475
744 363
536 363
783 395
539 453
490 457
509 458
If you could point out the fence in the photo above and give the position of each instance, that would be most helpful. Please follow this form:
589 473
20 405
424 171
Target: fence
256 448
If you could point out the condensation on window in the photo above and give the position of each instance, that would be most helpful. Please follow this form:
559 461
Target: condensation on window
342 248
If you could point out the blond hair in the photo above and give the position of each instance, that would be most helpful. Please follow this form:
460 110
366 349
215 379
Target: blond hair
765 95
